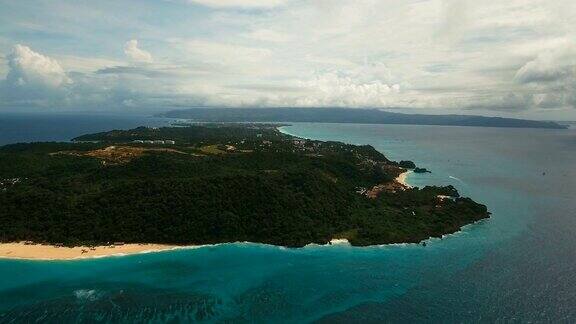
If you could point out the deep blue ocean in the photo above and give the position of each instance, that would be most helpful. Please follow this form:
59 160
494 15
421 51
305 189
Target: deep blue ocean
518 266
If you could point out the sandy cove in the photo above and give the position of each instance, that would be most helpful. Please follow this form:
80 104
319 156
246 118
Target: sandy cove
51 252
401 179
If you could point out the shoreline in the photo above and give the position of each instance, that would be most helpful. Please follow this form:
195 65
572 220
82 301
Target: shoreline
44 252
401 179
22 251
41 252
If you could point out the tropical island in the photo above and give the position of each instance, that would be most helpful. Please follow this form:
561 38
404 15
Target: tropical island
216 183
349 115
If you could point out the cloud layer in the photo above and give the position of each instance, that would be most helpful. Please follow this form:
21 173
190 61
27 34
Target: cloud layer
513 57
240 3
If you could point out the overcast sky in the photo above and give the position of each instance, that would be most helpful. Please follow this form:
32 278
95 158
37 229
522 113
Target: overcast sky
509 58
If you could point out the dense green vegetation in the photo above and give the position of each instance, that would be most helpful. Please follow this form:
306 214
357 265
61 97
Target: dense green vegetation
215 184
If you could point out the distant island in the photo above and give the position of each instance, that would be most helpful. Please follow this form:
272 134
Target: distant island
348 115
216 183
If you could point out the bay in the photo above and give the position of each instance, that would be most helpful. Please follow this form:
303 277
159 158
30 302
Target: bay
517 266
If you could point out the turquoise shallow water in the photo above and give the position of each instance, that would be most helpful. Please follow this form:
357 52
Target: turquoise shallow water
517 266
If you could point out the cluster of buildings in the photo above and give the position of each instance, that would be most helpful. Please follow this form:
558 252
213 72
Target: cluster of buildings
4 183
305 145
169 142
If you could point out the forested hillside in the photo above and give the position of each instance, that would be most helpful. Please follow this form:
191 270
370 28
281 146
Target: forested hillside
215 183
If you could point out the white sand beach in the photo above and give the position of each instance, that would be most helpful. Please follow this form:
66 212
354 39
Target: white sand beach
21 250
402 179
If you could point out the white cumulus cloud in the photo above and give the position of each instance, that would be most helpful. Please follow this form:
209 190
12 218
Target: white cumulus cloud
551 77
551 65
33 79
31 69
135 53
337 89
